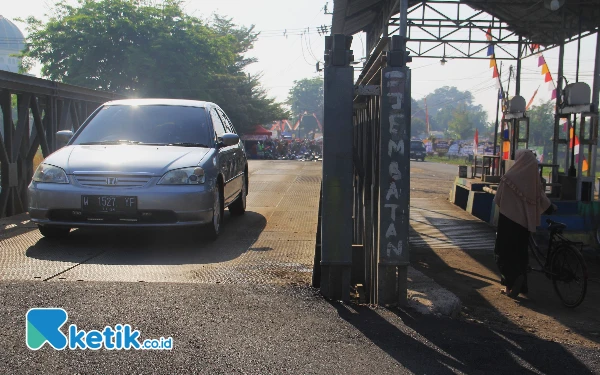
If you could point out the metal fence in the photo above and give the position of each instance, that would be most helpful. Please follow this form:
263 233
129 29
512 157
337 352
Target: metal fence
42 108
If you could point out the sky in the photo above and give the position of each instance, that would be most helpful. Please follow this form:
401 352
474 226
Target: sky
290 46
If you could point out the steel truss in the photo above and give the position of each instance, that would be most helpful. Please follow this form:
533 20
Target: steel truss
433 34
43 108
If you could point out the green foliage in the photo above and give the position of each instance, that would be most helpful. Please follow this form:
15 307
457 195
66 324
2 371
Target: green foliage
461 125
453 111
541 126
142 49
417 126
307 97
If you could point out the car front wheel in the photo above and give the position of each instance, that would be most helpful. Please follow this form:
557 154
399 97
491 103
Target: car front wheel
54 232
214 228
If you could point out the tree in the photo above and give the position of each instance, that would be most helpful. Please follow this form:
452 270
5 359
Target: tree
306 97
443 104
140 49
461 124
541 126
418 127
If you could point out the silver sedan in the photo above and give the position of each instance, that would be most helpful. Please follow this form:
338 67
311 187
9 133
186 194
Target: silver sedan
143 163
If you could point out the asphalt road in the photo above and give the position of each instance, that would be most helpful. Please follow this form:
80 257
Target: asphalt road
226 329
274 323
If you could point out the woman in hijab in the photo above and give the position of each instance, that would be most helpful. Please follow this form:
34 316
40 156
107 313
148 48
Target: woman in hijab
522 201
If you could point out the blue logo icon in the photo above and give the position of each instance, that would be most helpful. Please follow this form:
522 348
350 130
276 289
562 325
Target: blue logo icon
43 325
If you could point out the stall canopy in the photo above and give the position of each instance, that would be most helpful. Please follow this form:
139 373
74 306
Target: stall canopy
258 134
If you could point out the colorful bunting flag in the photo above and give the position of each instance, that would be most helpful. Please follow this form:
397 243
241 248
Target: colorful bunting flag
490 50
575 140
553 94
548 77
541 61
545 69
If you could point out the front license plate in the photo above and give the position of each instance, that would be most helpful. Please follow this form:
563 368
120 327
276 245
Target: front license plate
108 204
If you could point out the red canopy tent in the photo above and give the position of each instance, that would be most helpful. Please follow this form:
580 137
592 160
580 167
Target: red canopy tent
258 134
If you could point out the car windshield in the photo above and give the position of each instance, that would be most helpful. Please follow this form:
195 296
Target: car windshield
147 124
417 145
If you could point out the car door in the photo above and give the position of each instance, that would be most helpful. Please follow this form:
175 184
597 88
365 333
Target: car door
237 155
225 157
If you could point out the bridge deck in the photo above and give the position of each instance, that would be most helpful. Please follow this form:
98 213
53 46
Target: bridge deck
273 243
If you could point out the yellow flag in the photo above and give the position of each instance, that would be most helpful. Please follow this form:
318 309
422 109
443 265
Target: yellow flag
545 69
492 62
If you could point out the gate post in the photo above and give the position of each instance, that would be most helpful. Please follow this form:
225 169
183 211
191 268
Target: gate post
394 176
337 199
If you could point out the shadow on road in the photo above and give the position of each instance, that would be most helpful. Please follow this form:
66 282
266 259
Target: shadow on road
426 344
160 246
466 272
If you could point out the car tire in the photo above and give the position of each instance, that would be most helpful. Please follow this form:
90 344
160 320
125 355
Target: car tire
214 228
53 232
238 207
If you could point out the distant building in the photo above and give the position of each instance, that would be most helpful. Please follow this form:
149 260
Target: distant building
11 42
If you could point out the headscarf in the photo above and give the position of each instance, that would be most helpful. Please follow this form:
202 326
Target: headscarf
520 193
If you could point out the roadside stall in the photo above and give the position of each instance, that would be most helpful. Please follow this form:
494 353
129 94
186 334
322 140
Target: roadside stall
254 140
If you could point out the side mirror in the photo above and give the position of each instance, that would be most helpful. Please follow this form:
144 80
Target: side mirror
229 139
63 137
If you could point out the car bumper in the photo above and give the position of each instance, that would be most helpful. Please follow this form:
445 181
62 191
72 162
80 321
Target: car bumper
181 205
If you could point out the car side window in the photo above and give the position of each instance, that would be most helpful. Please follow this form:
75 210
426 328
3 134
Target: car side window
227 122
217 123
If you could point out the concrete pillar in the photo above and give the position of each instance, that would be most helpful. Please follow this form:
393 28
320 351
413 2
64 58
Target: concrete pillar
336 225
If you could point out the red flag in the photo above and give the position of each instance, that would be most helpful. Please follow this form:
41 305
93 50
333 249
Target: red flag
548 77
488 34
475 142
495 74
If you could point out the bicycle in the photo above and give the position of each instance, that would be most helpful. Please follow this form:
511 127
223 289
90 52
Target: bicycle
563 264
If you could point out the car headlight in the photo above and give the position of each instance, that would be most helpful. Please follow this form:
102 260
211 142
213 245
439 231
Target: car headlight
184 176
51 174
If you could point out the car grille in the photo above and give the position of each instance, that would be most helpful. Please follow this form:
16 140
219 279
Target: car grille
112 180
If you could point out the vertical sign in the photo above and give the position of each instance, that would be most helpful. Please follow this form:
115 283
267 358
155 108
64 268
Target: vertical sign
394 179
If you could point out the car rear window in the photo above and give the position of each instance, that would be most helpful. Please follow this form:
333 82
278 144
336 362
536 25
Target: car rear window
417 145
147 124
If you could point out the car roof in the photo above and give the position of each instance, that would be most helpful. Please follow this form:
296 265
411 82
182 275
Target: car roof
171 102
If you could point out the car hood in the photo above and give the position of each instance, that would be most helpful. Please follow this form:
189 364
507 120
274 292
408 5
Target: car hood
155 160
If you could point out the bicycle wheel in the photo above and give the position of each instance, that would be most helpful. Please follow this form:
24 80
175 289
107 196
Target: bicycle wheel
569 275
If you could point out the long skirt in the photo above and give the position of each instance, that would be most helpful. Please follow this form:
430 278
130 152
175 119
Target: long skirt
511 252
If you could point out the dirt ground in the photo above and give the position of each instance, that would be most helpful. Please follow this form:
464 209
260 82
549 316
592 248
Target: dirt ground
472 275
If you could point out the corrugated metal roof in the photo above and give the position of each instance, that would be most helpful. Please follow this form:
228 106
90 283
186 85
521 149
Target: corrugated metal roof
531 19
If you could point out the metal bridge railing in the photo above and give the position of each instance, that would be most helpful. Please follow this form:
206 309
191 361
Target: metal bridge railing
42 108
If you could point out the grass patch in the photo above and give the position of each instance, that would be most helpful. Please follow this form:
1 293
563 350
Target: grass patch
447 160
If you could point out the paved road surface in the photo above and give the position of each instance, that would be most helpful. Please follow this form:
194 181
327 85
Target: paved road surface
239 306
